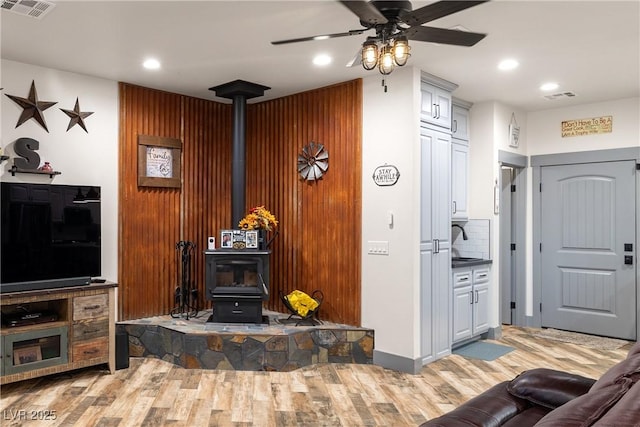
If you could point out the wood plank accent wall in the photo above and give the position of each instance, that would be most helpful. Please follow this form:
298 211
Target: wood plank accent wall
149 223
318 244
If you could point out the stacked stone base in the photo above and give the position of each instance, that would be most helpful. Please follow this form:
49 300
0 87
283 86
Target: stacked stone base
273 347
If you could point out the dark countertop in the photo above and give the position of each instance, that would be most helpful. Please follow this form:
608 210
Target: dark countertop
468 262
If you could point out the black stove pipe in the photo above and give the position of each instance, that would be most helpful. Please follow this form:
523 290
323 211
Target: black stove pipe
239 91
238 160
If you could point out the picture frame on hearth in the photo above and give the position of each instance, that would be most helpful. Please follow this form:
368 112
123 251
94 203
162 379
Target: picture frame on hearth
251 239
226 239
159 161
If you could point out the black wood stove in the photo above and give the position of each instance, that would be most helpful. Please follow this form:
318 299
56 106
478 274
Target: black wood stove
237 281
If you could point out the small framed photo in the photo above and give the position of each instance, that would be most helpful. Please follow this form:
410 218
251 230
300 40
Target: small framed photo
226 239
27 355
251 239
239 239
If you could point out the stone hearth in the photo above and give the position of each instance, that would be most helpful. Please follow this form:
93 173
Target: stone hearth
276 346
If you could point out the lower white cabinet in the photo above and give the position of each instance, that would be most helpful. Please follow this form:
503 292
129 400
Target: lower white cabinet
470 302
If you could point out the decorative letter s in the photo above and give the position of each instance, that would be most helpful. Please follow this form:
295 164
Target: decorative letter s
25 148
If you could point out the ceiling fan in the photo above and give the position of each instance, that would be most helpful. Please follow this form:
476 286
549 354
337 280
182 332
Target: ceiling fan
395 23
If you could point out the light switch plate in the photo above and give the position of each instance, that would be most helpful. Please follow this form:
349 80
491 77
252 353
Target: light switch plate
378 247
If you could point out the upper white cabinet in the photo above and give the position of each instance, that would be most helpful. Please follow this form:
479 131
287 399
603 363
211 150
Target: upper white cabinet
459 181
436 102
460 160
460 124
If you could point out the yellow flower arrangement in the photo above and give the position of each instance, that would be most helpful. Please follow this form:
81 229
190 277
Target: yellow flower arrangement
258 218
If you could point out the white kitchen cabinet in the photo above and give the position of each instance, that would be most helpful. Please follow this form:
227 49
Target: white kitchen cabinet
462 303
470 302
459 181
436 104
435 243
460 124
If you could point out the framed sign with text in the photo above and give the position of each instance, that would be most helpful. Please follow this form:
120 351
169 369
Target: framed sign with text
159 161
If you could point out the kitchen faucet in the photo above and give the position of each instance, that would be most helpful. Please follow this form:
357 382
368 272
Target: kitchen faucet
464 234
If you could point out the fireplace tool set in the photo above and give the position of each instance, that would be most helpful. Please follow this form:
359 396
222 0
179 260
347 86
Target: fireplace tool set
186 294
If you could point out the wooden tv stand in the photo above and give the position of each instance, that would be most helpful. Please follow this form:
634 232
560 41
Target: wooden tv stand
77 331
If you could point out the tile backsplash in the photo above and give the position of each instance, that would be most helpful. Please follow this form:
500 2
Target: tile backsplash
477 244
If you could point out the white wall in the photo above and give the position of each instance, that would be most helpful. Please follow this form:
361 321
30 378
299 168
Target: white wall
489 134
390 284
83 158
540 133
545 127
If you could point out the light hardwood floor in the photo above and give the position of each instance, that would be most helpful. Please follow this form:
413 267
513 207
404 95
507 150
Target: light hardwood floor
152 392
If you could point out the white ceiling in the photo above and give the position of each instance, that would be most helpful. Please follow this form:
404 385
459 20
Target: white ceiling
591 48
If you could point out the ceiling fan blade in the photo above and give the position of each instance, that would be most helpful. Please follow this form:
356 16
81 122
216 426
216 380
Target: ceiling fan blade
443 35
366 11
356 60
436 10
321 37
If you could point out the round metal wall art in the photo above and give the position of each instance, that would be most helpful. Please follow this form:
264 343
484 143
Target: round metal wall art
313 161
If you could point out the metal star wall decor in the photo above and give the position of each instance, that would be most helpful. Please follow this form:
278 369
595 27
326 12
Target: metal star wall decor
77 116
31 107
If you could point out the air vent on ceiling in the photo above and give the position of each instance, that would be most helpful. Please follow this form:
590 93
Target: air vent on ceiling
560 95
33 8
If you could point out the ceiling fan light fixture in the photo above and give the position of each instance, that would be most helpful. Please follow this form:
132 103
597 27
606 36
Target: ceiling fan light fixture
401 50
369 55
386 64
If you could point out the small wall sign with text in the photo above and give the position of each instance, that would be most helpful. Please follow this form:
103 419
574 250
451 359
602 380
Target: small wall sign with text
159 161
592 126
386 175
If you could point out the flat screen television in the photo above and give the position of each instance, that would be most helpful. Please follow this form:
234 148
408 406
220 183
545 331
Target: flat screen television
50 236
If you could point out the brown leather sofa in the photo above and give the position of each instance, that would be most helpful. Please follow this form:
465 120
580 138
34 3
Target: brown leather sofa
545 398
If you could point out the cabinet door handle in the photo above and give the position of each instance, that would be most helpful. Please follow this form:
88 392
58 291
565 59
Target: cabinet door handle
438 111
471 292
455 126
434 113
91 307
455 207
476 297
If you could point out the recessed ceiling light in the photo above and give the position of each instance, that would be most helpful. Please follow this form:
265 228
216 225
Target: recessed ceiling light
508 65
549 86
151 64
322 60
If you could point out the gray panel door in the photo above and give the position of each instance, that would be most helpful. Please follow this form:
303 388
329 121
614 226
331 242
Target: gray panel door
588 214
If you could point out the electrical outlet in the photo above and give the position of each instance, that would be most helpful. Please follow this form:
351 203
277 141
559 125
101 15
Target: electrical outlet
378 247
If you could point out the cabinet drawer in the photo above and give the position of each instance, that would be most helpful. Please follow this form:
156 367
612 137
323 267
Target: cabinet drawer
90 307
481 276
94 349
462 278
84 330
